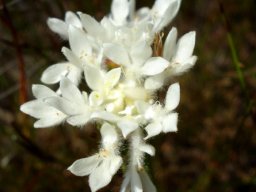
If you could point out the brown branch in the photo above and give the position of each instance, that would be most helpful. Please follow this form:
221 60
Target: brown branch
7 21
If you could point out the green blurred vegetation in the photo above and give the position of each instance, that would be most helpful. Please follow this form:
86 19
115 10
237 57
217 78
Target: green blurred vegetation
215 147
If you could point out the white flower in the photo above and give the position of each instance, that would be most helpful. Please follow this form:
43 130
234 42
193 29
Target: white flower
48 116
162 119
137 62
102 166
61 27
180 57
71 102
136 178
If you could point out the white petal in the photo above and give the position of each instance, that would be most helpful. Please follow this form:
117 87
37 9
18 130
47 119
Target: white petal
70 91
167 10
58 26
71 57
37 109
74 75
115 164
105 116
172 97
119 11
127 126
185 47
109 135
54 73
154 65
140 53
116 53
170 44
84 166
63 105
136 185
100 177
153 129
50 121
155 82
95 98
91 25
79 120
112 77
94 77
170 123
149 149
126 182
41 91
141 106
72 19
147 184
78 41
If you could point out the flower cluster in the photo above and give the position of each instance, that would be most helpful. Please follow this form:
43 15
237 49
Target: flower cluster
124 62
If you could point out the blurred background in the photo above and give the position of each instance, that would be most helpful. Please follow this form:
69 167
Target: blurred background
215 147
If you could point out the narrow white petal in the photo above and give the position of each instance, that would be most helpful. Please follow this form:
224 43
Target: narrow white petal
37 109
170 123
112 77
185 47
54 73
79 120
136 185
96 98
85 166
94 77
115 164
100 177
91 25
154 65
127 126
116 53
74 75
70 91
147 184
41 91
72 19
153 129
149 149
63 105
166 10
170 44
78 41
125 185
119 11
140 52
103 115
172 97
50 121
58 26
71 57
109 135
155 82
141 106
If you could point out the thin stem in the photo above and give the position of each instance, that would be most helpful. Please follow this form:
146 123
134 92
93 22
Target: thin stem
234 55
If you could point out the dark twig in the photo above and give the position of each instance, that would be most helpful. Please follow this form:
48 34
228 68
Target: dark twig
7 21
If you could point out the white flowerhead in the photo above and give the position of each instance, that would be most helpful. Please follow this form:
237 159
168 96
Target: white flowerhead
113 70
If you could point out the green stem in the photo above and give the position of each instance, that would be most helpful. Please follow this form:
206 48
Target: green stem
236 61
